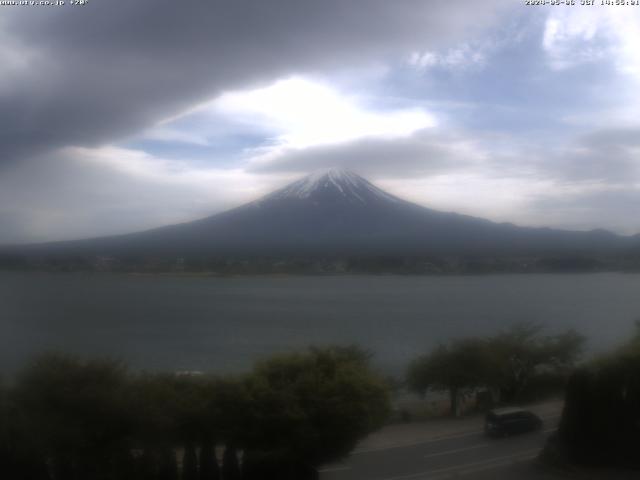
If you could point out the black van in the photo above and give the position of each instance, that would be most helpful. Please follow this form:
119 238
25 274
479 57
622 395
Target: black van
510 421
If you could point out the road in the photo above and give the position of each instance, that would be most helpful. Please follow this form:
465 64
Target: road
459 454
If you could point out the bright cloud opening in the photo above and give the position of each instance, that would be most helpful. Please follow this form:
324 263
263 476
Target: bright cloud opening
578 35
304 114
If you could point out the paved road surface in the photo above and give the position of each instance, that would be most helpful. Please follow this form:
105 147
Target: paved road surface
459 454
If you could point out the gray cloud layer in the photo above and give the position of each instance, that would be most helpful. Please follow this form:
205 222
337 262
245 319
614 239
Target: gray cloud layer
610 156
102 72
421 154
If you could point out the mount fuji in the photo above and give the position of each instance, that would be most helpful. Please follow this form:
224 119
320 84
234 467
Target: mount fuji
337 212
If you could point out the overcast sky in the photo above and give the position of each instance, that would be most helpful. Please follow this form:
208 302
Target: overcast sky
123 115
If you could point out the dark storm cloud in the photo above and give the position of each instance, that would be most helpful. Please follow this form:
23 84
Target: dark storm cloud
100 73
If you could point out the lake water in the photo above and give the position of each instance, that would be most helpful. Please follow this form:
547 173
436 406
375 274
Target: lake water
224 324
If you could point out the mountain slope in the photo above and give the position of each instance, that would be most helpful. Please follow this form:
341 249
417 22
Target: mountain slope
337 212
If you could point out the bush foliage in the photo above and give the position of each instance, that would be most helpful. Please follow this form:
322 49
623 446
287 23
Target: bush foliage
68 419
600 424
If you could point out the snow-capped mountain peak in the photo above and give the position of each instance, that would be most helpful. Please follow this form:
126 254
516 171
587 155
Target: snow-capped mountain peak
333 184
335 213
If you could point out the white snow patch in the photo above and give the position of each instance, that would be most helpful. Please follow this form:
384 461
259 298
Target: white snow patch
347 183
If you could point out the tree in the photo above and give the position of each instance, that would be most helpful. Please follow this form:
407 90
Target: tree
171 412
190 462
230 465
507 362
19 458
77 412
306 409
6 454
226 420
600 423
457 367
168 465
209 469
92 420
522 352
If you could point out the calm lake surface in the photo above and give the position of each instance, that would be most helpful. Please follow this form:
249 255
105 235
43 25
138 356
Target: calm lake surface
224 324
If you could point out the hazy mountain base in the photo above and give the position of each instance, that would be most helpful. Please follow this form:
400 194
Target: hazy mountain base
336 222
321 265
